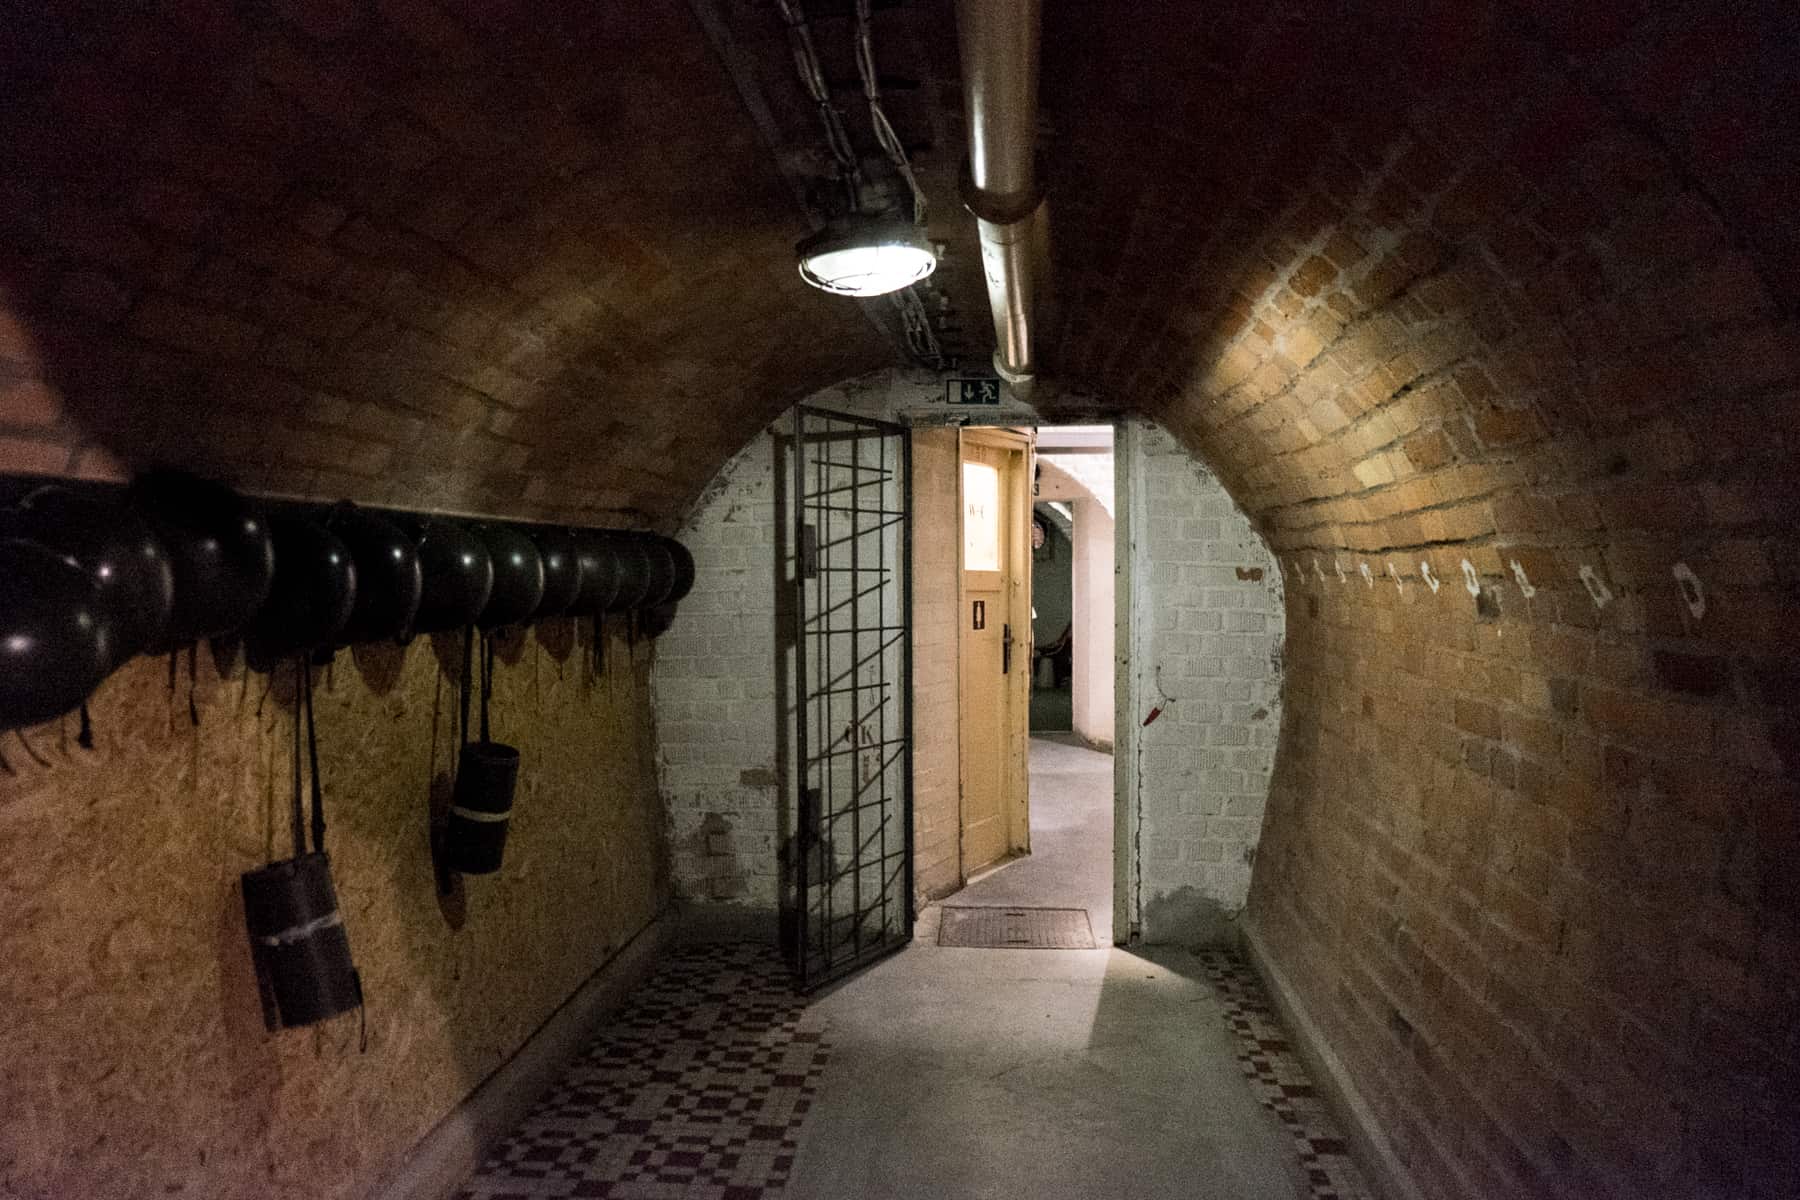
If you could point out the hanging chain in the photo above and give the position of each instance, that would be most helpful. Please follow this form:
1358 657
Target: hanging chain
812 77
921 336
884 129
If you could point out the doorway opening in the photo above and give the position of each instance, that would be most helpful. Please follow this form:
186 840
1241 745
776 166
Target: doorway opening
1036 711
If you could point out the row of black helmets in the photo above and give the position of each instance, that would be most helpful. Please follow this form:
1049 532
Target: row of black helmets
88 579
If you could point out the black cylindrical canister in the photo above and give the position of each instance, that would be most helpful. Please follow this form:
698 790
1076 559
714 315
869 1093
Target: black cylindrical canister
297 937
481 807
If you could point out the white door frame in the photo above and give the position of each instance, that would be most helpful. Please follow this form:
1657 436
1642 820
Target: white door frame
1130 515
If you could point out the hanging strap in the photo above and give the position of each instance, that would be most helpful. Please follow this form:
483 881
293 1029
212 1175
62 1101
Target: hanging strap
467 683
487 681
312 754
298 815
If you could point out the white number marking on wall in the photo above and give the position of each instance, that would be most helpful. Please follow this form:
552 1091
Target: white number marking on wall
1601 594
1691 591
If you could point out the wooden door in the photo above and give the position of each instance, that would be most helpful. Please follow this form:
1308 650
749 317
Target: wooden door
994 645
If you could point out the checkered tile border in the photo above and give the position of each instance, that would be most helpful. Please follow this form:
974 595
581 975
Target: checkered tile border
698 1089
1279 1081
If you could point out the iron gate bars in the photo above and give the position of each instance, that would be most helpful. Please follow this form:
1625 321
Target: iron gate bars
852 695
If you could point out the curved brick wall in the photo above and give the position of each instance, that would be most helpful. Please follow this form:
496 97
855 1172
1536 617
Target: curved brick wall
1506 290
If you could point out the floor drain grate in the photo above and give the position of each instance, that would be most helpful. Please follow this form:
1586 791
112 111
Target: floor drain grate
1014 928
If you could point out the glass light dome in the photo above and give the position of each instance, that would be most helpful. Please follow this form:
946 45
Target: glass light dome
865 256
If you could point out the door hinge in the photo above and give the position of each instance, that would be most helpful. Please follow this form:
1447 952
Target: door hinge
1006 641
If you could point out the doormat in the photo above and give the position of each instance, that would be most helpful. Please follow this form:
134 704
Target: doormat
1013 928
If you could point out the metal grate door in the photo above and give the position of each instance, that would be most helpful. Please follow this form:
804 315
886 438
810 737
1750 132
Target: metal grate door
852 694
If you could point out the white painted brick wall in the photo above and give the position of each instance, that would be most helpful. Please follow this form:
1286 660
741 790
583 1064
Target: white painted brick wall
716 671
714 690
1209 639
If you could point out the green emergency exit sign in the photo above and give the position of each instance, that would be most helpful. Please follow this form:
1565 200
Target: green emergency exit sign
972 393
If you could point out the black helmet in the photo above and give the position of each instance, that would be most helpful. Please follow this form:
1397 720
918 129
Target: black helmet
562 571
599 572
314 592
388 579
635 572
116 548
661 565
218 544
684 570
518 576
55 634
459 576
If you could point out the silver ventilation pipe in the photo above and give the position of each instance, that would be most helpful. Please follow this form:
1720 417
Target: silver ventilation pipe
999 42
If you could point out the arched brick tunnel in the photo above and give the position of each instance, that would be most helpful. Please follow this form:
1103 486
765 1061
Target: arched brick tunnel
1483 312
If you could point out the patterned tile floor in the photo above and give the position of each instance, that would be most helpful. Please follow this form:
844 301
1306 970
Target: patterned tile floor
1280 1082
697 1089
700 1086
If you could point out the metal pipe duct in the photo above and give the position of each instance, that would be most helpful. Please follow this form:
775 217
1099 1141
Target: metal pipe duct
999 45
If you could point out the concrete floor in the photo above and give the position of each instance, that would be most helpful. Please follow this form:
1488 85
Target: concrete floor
1039 1073
1070 864
1052 710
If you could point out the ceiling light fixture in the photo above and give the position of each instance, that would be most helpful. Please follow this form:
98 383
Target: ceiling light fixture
865 255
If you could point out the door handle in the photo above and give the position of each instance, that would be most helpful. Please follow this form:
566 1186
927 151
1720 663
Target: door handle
1006 641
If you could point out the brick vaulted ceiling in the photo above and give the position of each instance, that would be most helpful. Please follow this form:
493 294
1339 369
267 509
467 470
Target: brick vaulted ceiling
528 258
1398 271
1416 273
